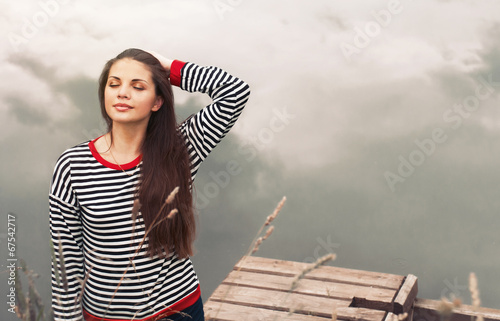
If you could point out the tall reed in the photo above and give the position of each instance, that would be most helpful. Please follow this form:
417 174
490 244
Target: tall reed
474 293
256 242
29 307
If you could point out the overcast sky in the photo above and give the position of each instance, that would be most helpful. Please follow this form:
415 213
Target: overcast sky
378 120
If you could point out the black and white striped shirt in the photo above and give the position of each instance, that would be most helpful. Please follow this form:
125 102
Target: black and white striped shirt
91 222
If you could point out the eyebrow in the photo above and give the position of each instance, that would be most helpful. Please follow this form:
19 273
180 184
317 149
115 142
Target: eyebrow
133 80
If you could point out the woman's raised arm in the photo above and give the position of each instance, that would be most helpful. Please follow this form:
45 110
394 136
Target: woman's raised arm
205 129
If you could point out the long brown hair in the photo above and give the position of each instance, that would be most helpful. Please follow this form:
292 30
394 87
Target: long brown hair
165 166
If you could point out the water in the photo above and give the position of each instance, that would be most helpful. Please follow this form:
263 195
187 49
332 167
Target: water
440 224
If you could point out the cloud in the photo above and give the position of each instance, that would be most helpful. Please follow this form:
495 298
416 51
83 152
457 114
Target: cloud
26 114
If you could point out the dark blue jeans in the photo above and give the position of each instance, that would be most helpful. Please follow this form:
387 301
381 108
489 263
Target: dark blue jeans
193 313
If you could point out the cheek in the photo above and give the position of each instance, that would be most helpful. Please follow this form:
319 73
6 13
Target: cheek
107 93
107 98
147 101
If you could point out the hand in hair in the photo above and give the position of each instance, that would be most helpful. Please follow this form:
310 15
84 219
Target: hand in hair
165 62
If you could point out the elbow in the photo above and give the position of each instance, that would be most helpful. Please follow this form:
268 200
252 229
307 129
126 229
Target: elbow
245 89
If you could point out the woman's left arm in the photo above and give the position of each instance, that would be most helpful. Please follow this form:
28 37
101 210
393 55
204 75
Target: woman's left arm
229 94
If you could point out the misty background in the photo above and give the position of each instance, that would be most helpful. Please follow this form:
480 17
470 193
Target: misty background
378 120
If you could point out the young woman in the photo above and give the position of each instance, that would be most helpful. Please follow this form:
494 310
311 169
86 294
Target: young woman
121 250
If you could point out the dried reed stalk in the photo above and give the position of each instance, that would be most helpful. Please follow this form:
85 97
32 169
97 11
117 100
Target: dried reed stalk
261 239
446 307
252 249
28 307
320 261
158 220
172 214
254 246
334 312
474 292
399 317
135 212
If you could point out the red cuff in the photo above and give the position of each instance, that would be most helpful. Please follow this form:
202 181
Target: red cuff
175 72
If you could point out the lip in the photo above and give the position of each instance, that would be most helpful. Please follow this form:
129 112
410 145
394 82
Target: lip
122 107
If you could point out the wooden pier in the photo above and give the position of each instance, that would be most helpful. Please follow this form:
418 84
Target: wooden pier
261 289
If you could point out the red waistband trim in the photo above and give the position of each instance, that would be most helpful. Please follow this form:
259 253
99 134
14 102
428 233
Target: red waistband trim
175 308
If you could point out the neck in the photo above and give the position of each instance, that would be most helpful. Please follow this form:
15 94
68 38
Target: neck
127 140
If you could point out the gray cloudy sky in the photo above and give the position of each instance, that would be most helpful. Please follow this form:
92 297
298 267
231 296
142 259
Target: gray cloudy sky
378 120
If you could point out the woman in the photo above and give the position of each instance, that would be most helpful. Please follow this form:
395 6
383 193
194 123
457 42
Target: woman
122 250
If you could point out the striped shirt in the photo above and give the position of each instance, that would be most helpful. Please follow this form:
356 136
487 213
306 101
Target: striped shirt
91 223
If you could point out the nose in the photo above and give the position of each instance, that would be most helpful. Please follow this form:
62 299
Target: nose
123 92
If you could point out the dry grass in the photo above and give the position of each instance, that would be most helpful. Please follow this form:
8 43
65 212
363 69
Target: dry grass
320 261
61 277
257 241
295 282
398 317
474 293
447 306
158 220
254 247
29 306
334 312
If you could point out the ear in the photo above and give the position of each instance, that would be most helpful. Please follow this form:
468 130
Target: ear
158 103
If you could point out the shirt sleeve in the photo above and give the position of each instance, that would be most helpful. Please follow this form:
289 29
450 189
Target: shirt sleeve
66 236
205 129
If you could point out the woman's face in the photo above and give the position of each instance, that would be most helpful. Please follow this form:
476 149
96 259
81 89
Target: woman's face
129 96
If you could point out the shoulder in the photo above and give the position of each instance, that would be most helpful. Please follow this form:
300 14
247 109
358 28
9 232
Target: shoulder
76 152
82 147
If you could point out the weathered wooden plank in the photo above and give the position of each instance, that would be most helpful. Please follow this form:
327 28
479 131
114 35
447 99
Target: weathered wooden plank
325 273
277 300
425 309
406 295
376 298
222 311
